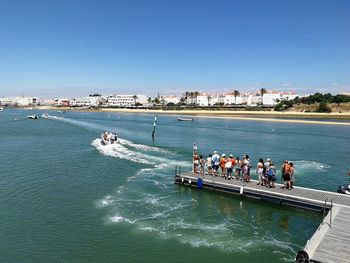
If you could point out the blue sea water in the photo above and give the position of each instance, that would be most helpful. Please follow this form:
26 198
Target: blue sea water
66 198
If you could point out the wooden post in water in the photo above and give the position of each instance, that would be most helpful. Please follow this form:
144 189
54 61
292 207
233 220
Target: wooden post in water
154 127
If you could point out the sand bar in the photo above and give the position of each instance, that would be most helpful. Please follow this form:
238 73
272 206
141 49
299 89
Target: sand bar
269 116
251 115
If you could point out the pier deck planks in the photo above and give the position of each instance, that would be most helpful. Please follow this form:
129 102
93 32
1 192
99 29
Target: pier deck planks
334 247
318 196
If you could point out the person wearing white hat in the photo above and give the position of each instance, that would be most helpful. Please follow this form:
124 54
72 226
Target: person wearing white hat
266 166
215 162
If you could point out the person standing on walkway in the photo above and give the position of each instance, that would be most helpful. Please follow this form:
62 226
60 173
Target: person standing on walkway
229 166
209 165
201 165
260 171
238 165
266 166
195 162
271 175
223 161
292 175
285 169
215 160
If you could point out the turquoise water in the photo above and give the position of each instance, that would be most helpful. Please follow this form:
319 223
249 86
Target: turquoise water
66 198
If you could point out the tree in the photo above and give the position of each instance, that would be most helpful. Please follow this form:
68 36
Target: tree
338 99
135 98
149 99
209 100
262 92
195 95
323 107
236 93
156 100
162 101
182 100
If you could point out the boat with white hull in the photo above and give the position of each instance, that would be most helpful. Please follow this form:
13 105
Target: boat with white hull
108 138
185 119
33 117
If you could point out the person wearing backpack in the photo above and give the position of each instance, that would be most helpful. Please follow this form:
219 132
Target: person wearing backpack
271 176
215 162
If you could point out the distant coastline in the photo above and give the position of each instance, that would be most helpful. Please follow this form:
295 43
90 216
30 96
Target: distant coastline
273 116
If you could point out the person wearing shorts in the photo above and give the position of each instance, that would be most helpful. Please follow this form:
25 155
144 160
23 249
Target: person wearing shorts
215 160
209 165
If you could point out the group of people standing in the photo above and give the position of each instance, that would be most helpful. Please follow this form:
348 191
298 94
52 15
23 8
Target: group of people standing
230 167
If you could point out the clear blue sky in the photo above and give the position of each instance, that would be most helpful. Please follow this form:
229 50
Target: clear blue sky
57 48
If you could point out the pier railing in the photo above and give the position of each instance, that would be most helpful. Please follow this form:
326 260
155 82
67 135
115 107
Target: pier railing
330 211
177 171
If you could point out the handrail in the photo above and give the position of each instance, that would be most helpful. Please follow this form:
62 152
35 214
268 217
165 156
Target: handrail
324 211
177 171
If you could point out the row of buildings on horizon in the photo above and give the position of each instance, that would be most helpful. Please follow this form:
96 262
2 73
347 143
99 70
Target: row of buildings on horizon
261 97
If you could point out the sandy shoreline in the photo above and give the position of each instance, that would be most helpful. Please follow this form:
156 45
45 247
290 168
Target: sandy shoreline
272 116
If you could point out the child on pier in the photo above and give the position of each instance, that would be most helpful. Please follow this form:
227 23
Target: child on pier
201 165
209 165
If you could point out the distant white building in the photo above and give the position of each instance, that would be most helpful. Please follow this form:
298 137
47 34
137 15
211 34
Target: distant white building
91 101
203 100
288 95
46 102
271 98
251 98
125 100
170 99
62 102
230 99
7 101
19 101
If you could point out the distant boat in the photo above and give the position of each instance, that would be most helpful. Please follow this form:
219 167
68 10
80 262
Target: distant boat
33 117
1 108
45 116
184 119
344 189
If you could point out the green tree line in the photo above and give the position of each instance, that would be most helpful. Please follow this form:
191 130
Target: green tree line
322 99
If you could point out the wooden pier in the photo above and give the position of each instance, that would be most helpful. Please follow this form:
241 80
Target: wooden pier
330 242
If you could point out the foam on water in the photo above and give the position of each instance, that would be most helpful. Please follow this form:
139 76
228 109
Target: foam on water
142 147
83 124
118 219
157 212
137 153
121 152
305 166
106 201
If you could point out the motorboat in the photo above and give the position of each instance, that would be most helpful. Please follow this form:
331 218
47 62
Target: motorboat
1 108
344 189
108 138
184 119
33 117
